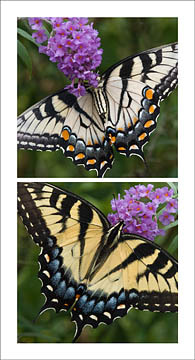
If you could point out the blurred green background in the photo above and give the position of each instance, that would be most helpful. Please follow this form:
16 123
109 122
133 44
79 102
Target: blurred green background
136 327
120 37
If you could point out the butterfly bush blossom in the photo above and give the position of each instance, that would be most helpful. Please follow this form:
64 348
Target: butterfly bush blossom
74 46
139 209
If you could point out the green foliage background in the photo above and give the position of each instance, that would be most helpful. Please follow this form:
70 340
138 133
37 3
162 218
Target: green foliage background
120 37
136 327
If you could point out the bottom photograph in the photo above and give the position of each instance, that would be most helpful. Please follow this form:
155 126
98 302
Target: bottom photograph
106 256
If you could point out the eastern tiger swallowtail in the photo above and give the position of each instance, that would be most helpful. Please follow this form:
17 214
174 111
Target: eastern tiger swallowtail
89 266
122 110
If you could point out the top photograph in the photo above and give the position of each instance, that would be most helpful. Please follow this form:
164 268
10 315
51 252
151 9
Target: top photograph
93 89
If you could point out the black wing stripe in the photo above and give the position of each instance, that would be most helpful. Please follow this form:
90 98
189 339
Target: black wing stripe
126 69
158 57
146 62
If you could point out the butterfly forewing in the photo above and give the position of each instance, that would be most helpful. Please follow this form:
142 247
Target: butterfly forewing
89 266
153 67
48 210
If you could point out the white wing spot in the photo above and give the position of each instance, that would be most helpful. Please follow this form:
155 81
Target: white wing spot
46 273
23 142
107 314
121 306
32 143
55 300
50 287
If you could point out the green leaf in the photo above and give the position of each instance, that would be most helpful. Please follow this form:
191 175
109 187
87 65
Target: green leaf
24 56
27 36
161 209
47 32
175 223
174 187
173 245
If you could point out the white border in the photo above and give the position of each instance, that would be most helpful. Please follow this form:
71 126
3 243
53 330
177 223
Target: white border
184 11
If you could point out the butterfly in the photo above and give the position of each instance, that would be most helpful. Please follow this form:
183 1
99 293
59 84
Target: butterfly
90 267
122 111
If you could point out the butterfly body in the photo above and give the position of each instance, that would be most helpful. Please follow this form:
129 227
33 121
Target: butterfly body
122 111
89 266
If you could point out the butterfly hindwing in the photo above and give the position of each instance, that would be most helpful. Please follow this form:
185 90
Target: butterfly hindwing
62 121
90 267
137 274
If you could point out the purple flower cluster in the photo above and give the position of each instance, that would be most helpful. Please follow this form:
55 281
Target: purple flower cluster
139 209
74 45
37 24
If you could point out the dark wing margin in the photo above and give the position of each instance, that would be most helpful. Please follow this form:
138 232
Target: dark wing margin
61 121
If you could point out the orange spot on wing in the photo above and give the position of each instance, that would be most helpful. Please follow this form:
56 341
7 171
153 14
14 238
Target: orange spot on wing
149 94
89 142
80 156
120 129
151 109
70 148
148 123
65 135
91 161
142 136
121 148
112 139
